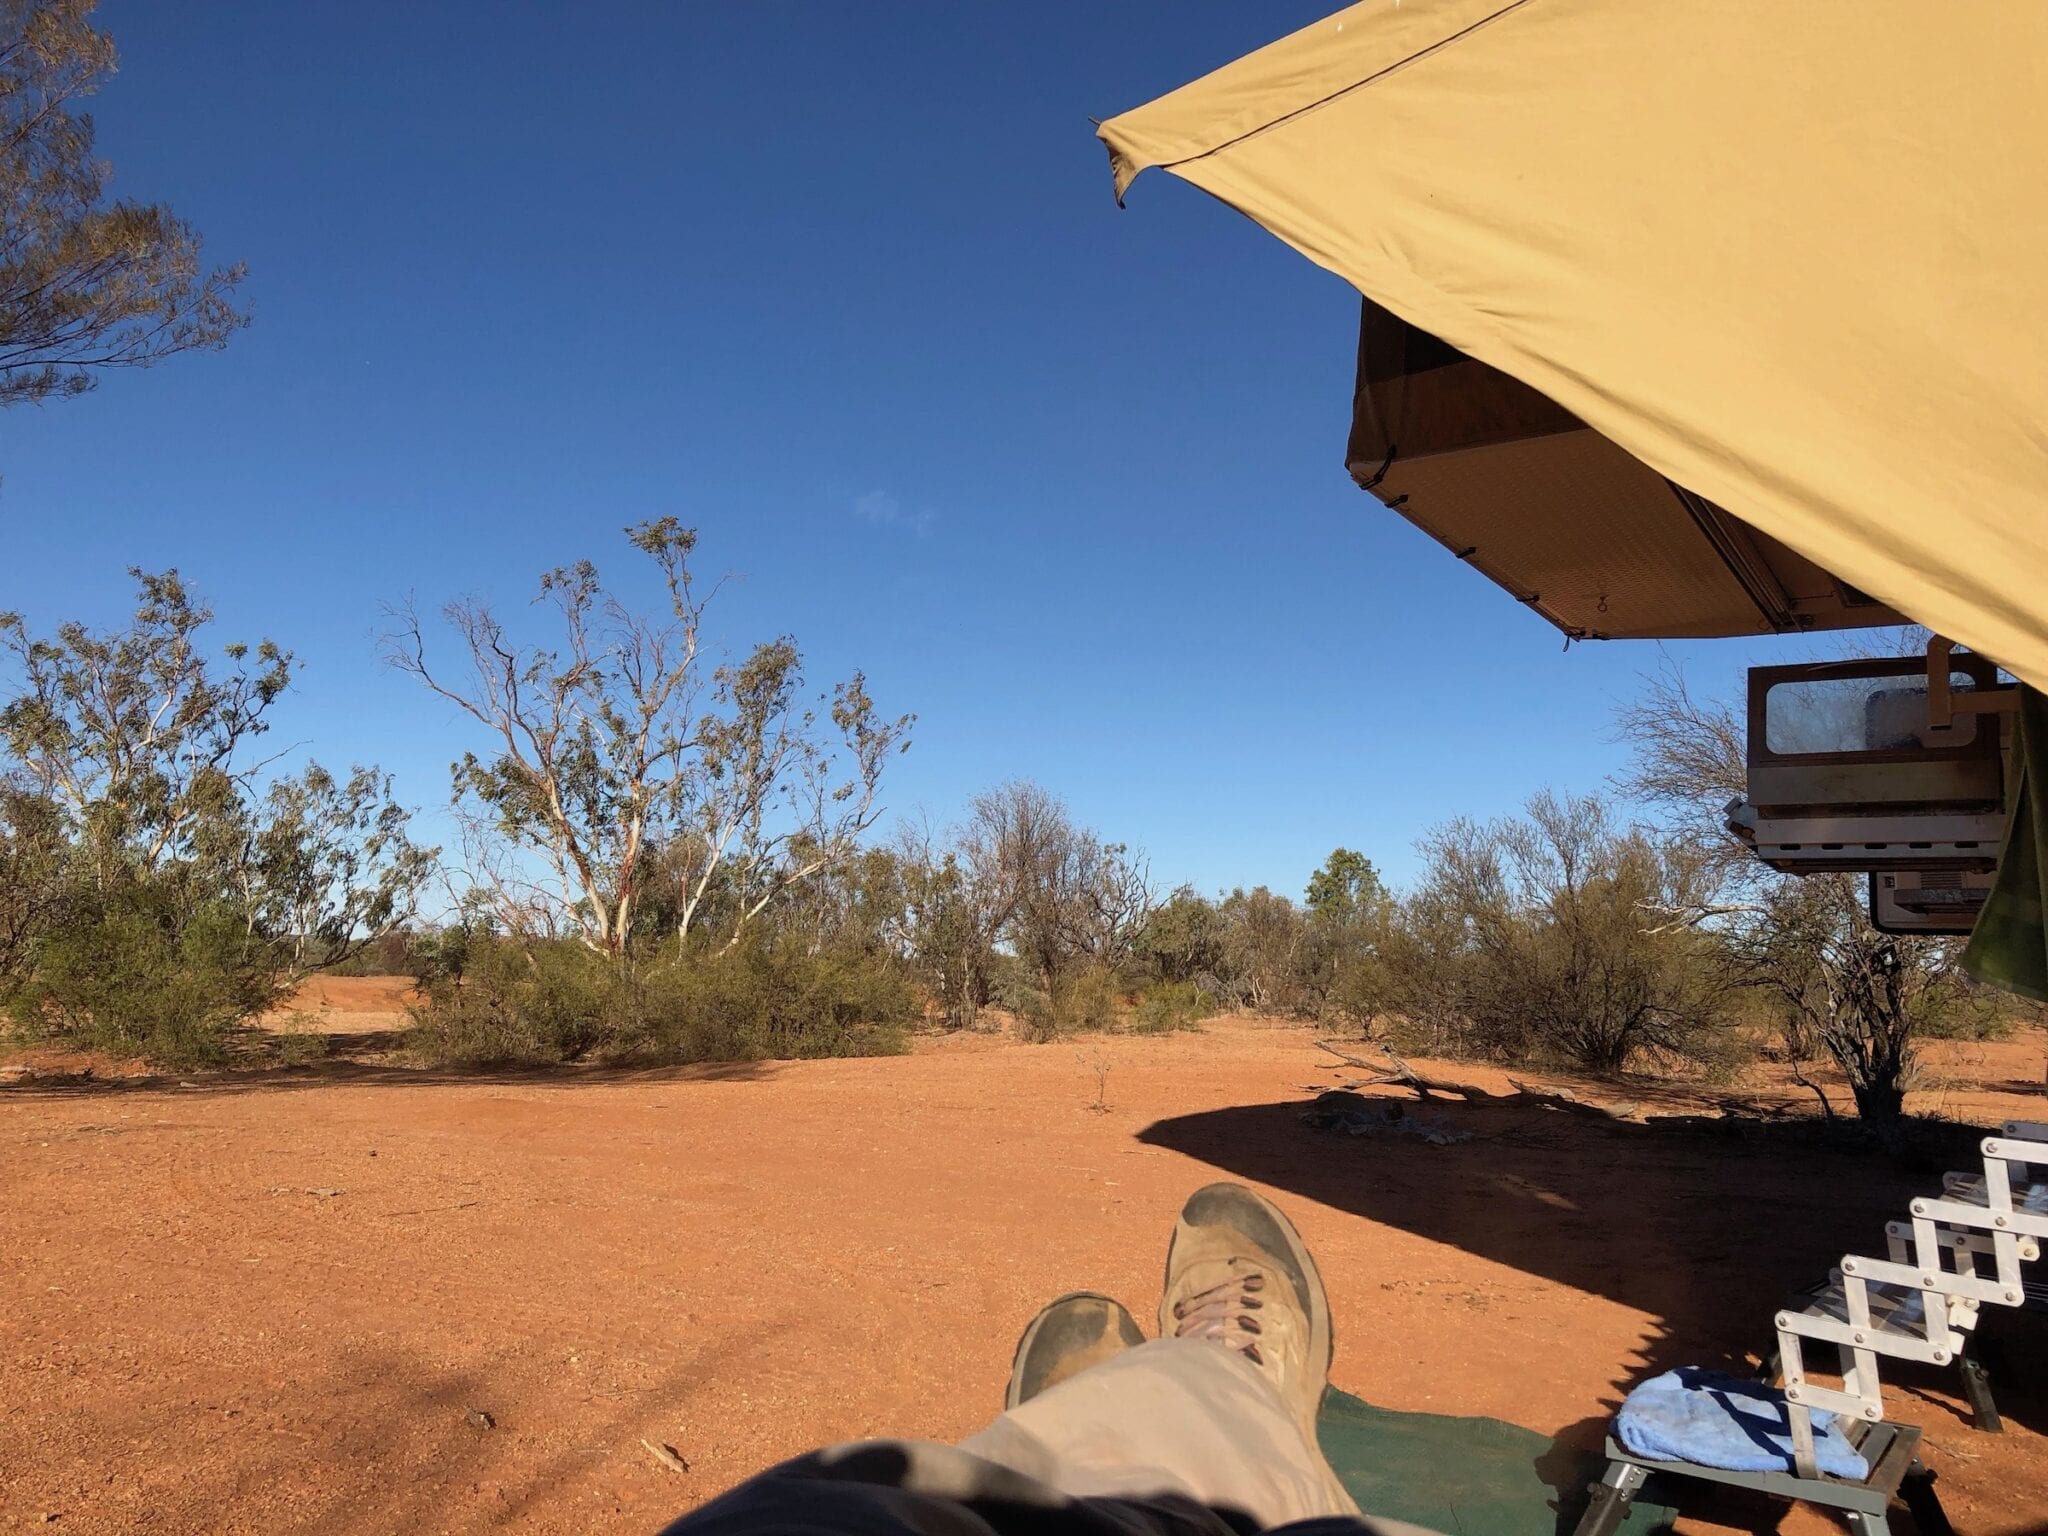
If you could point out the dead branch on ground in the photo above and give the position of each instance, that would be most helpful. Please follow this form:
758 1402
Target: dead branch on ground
1564 1099
667 1456
1395 1070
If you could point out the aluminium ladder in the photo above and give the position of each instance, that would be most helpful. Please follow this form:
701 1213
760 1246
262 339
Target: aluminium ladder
1919 1301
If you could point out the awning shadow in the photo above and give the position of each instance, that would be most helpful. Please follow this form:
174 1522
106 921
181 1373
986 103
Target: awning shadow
344 1072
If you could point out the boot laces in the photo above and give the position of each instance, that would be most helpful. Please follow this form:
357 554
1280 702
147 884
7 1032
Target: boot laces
1224 1313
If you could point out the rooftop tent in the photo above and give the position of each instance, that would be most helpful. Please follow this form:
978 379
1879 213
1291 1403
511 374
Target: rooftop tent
1571 524
1704 317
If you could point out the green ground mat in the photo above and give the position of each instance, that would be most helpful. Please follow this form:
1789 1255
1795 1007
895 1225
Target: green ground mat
1464 1477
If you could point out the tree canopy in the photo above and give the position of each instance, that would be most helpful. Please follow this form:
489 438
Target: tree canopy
85 284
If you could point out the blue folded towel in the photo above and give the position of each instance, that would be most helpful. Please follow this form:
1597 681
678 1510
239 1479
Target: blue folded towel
1712 1419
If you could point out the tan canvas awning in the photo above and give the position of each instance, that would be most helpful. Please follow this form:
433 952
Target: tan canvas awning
1783 260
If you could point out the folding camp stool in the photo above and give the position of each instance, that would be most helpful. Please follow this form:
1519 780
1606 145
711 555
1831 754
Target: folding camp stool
1893 1451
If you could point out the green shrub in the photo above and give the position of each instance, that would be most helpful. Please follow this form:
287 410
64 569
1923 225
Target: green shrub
1089 1000
1166 1006
1011 986
300 1048
1037 1023
139 971
1077 1004
1360 983
508 1003
774 999
1965 1013
558 1002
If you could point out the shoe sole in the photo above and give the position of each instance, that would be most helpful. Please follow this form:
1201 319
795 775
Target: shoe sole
1267 1225
1015 1395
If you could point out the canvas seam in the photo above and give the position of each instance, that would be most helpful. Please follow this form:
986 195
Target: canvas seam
1356 85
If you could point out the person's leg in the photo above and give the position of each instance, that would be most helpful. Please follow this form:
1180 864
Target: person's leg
1080 1330
1175 1416
1222 1408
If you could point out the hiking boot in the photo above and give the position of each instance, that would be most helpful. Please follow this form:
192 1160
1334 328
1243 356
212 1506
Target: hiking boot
1079 1330
1238 1273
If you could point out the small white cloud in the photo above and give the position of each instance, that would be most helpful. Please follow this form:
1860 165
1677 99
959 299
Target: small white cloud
878 507
885 511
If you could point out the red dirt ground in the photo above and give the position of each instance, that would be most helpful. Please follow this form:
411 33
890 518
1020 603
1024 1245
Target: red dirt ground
271 1302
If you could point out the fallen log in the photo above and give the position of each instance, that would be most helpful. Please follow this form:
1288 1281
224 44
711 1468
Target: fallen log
1561 1098
1395 1070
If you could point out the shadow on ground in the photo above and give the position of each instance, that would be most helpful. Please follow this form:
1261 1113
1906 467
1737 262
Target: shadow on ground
2020 1086
346 1071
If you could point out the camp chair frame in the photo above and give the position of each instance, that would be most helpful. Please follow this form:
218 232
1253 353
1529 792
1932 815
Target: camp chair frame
1893 1451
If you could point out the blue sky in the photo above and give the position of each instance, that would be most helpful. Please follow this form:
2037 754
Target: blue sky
844 286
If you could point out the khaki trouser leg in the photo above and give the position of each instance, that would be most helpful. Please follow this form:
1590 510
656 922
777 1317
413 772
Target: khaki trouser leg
1172 1416
1173 1438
